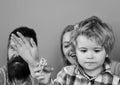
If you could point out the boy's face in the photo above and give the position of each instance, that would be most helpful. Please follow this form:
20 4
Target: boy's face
90 55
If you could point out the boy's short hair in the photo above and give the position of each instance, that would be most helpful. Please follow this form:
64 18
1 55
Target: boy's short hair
93 27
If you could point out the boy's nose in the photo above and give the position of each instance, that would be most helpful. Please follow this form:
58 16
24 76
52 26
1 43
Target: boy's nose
90 55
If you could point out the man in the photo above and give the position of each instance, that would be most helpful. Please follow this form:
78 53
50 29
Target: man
20 63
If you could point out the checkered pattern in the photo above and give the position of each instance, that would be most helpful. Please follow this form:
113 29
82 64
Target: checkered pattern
71 75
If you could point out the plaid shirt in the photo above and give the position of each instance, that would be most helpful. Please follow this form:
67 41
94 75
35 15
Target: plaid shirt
71 75
5 81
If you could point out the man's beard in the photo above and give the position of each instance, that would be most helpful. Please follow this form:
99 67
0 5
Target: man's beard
17 69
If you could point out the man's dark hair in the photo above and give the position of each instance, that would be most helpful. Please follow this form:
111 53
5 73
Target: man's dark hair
26 32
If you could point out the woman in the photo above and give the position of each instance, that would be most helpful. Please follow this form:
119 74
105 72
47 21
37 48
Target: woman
66 45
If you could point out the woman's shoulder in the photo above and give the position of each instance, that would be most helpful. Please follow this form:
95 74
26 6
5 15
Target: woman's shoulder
68 69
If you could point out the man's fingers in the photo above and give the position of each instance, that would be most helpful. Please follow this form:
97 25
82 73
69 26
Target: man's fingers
40 78
14 46
22 37
14 40
45 69
17 40
24 40
37 69
32 42
48 69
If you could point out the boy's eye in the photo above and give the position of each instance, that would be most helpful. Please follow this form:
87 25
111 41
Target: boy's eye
98 50
83 51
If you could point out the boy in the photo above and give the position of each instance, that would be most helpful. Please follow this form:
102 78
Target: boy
92 42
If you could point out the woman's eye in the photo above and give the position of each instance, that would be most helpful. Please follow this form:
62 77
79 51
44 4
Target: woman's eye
66 46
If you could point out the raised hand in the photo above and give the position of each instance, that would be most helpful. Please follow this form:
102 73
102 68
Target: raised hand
26 48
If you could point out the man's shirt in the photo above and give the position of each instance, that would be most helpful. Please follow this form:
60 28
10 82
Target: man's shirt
5 81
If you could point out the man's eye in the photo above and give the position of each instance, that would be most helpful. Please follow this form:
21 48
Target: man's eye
11 47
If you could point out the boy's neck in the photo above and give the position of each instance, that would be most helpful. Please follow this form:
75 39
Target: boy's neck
95 72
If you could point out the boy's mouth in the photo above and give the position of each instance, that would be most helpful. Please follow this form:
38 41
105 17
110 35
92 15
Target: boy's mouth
90 63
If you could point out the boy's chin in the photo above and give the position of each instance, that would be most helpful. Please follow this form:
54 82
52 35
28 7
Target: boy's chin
93 68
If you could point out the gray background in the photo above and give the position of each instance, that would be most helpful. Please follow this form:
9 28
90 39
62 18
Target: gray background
49 18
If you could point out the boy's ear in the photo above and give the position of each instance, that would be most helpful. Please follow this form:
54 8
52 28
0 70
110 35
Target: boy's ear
74 43
106 55
76 26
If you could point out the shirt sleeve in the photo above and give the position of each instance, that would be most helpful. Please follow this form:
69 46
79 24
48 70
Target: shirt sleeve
119 82
61 78
116 80
2 77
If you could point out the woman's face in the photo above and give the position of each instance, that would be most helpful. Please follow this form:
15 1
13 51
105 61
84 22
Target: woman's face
66 47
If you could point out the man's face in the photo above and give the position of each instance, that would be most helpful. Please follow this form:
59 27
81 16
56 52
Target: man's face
90 54
12 53
17 67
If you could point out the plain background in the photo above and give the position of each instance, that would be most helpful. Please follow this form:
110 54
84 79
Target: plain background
49 17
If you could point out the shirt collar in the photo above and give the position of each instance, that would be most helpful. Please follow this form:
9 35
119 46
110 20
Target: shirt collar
79 70
107 68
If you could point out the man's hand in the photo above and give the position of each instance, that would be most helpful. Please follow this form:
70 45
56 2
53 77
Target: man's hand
26 48
42 72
